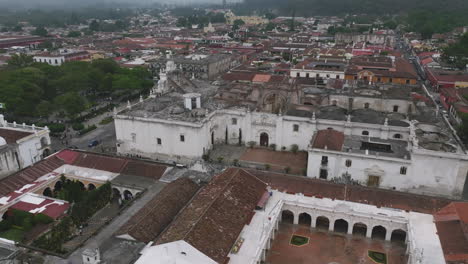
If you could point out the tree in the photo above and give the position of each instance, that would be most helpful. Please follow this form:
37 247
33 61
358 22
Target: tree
74 34
94 26
457 53
44 109
20 60
40 31
72 103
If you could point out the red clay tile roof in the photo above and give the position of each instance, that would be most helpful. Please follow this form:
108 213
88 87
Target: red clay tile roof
144 169
158 213
29 175
52 209
99 162
328 139
217 214
11 136
263 78
452 228
352 193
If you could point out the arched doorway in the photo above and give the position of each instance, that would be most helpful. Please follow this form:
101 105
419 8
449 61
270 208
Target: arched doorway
322 223
47 192
379 232
115 193
398 236
91 187
287 217
264 138
212 138
128 195
58 186
360 229
240 137
46 153
305 219
82 186
341 226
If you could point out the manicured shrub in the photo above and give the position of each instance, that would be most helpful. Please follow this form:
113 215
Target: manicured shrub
78 126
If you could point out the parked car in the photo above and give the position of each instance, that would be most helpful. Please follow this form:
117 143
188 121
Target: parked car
93 143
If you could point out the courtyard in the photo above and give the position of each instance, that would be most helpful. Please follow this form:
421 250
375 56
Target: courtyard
329 247
261 158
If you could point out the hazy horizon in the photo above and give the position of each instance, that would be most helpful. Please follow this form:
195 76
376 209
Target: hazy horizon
67 4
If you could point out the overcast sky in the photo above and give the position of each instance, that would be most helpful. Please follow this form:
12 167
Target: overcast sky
81 3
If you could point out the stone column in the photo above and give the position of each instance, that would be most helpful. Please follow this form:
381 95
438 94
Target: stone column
350 228
369 232
296 219
313 222
388 235
331 225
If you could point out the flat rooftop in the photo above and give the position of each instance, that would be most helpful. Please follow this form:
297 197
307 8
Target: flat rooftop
376 146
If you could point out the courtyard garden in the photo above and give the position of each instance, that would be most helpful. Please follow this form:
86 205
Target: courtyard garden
297 240
16 224
378 257
85 203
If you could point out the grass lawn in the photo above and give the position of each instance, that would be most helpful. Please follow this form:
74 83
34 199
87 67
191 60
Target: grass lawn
378 257
13 234
299 240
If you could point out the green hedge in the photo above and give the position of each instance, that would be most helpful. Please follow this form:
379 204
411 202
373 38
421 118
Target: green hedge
78 126
56 128
87 130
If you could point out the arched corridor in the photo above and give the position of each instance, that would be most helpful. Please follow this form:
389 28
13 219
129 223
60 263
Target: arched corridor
91 187
341 226
128 195
398 236
322 223
379 232
360 229
58 186
47 192
287 217
305 219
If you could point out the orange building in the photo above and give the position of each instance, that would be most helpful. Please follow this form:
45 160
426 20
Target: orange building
381 70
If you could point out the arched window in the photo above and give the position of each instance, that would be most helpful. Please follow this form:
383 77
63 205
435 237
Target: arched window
403 170
365 133
348 163
395 108
334 102
366 105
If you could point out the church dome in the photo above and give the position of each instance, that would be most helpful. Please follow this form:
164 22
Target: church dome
2 142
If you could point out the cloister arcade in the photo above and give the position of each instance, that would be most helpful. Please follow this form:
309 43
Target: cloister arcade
351 224
55 185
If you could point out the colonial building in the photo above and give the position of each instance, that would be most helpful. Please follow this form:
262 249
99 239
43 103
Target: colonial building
393 136
375 39
199 66
21 145
381 70
64 55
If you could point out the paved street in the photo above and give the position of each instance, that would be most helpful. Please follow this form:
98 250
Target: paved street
108 231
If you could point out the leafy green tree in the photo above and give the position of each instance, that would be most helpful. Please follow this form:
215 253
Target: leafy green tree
74 34
40 31
72 103
44 108
20 60
457 53
94 26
